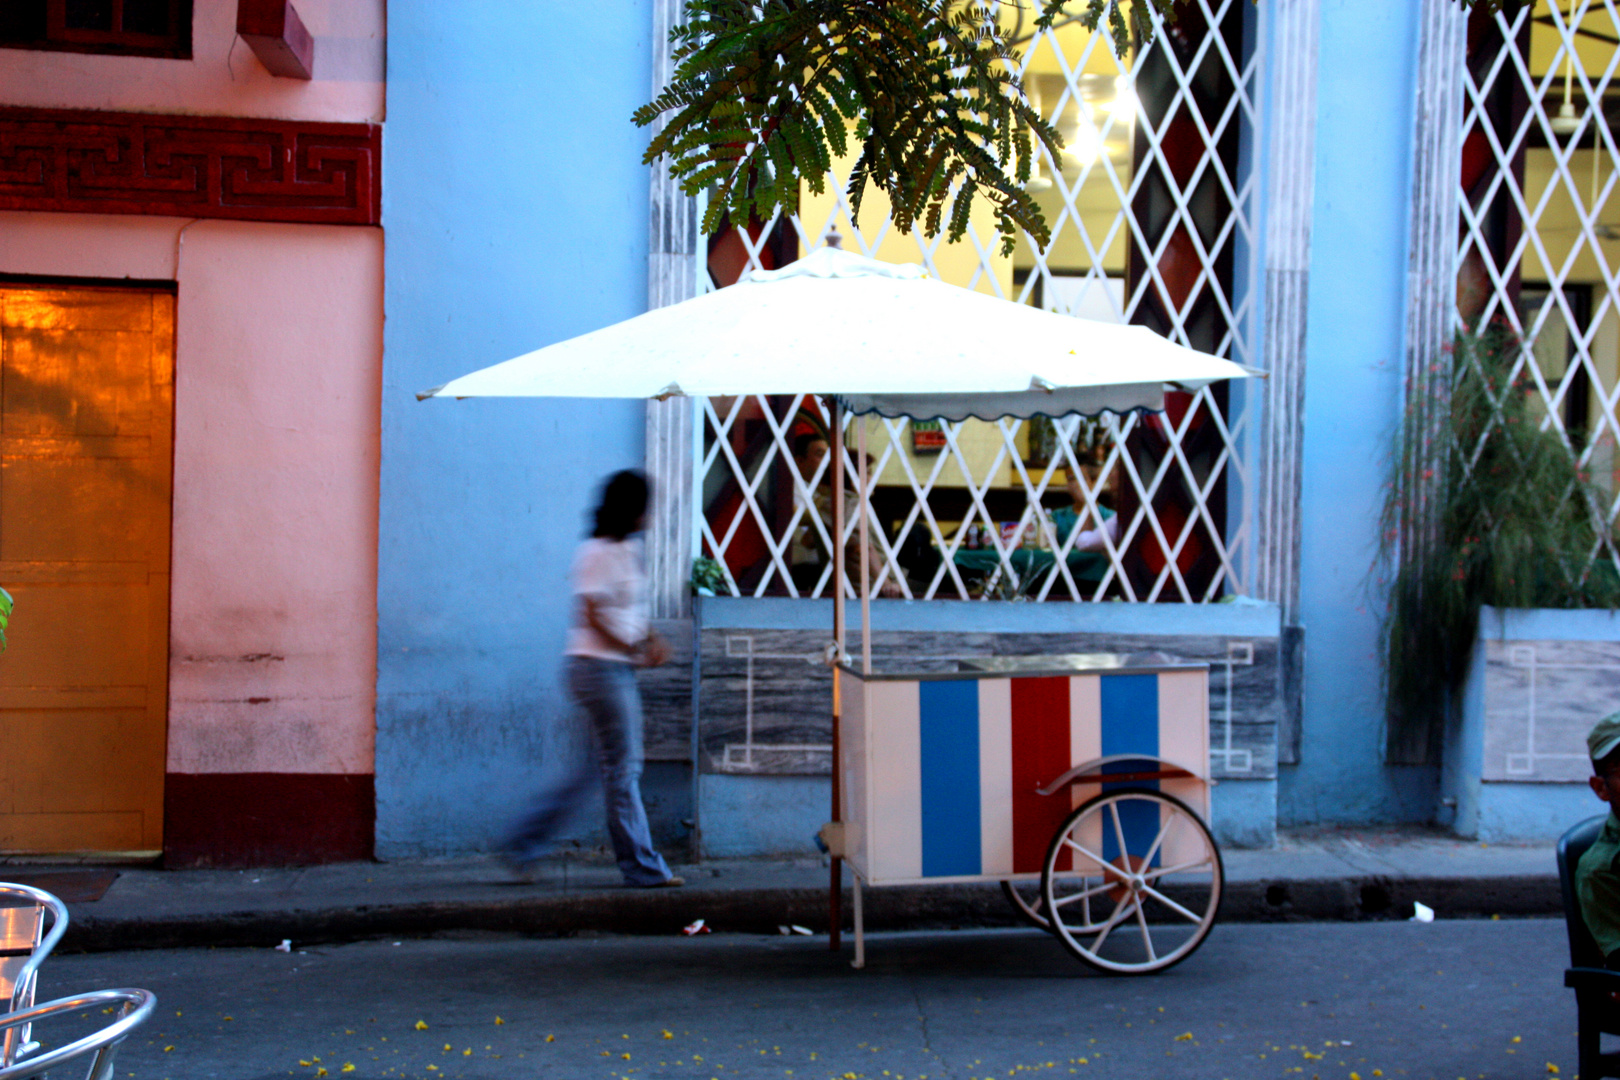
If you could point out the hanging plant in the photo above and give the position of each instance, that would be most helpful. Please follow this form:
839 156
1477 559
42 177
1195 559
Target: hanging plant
1487 505
5 617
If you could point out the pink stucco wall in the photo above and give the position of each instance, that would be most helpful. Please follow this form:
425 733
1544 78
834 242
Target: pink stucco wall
223 77
277 374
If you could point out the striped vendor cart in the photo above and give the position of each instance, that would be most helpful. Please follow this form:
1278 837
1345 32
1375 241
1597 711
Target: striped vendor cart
1079 782
1086 776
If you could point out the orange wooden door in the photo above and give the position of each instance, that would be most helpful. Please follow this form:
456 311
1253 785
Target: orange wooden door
86 470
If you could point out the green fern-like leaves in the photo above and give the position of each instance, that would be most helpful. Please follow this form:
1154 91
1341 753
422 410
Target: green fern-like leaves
5 617
766 94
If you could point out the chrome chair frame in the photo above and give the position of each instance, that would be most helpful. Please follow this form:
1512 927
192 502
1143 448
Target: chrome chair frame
15 1042
136 1006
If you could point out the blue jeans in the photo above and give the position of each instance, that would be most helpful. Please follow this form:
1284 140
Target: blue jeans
605 691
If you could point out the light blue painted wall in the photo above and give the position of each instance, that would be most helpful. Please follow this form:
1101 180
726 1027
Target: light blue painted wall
1354 342
515 208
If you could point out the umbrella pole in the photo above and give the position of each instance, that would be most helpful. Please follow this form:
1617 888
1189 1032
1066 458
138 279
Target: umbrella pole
835 890
866 544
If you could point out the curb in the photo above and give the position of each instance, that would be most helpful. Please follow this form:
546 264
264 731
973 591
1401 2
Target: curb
619 911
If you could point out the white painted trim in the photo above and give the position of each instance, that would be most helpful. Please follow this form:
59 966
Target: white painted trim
671 425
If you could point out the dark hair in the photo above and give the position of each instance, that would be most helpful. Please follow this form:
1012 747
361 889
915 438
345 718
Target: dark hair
1607 763
623 501
802 441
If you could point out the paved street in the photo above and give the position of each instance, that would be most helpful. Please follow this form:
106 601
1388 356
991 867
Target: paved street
1462 999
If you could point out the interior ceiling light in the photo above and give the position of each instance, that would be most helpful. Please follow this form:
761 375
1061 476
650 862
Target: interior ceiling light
1083 147
1566 122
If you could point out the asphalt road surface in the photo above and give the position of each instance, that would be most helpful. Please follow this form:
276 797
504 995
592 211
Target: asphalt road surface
1446 1000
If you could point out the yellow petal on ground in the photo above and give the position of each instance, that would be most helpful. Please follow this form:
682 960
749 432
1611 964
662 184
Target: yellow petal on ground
447 1046
498 1020
1516 1039
668 1034
166 1049
551 1038
305 1064
348 1066
625 1056
1185 1036
1552 1070
320 1071
467 1052
1355 1076
421 1025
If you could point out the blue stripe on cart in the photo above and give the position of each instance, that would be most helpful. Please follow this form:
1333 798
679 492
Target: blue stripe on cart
1130 725
948 736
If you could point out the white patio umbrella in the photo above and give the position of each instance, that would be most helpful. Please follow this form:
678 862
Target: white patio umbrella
882 337
878 337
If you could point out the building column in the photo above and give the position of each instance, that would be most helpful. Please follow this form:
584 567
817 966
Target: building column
1291 150
671 277
1431 272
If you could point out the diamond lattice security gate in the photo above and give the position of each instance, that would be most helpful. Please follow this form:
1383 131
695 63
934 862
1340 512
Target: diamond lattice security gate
1536 251
1152 208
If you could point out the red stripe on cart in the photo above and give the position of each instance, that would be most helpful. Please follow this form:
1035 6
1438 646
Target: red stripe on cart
1040 751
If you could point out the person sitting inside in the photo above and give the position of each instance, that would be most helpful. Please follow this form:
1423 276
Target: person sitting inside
1065 518
807 556
1597 875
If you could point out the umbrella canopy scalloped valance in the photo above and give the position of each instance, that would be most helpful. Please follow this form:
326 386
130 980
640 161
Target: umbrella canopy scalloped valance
882 337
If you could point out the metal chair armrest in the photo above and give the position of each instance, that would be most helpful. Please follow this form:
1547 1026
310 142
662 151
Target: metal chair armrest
137 1006
59 925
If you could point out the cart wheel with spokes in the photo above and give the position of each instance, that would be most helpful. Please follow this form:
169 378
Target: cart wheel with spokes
1026 897
1134 879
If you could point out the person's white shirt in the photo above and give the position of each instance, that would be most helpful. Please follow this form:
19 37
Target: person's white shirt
609 572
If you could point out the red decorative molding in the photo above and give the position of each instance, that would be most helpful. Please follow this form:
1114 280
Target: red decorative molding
75 161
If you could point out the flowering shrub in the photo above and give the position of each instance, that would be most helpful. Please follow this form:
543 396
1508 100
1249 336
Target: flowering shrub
1487 505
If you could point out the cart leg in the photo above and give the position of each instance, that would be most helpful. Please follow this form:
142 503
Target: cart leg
835 907
860 928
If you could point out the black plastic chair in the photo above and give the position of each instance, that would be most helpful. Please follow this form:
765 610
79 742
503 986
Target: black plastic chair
1593 984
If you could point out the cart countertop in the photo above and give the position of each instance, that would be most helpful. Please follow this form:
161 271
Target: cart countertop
1138 663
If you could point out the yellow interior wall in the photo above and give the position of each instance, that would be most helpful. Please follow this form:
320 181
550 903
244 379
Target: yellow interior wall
959 263
1558 229
1097 205
979 441
1558 225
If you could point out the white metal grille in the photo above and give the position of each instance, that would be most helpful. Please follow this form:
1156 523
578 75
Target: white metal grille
1538 223
1152 211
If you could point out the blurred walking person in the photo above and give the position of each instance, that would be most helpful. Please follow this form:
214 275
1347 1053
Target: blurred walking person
609 638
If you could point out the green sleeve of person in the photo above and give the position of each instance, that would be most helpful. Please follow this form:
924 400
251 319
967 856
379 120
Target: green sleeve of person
1065 518
1597 888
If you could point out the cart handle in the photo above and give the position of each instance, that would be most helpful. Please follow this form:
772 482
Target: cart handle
1167 770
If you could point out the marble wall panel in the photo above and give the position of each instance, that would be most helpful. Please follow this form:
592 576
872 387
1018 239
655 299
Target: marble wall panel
1541 698
765 696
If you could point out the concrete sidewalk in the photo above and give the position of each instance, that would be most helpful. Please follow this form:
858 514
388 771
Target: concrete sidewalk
1326 875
